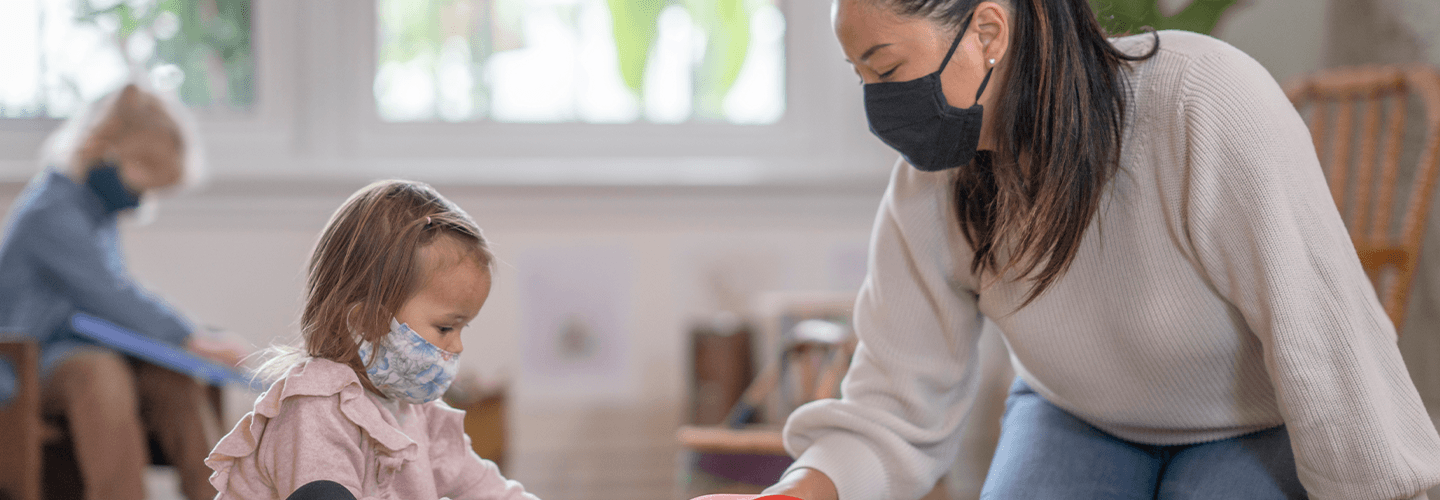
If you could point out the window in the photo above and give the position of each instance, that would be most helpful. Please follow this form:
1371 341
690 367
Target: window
62 53
588 61
493 92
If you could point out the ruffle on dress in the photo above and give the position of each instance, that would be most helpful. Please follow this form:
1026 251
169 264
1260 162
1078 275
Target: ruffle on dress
314 377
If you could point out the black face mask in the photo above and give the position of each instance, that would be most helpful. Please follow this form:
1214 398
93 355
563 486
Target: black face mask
914 118
104 179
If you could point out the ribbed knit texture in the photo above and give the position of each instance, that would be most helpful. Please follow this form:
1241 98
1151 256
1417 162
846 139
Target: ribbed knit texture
1216 293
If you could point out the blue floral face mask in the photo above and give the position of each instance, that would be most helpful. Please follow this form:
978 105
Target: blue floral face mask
408 367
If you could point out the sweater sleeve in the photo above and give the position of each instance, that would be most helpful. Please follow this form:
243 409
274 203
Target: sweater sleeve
1268 236
89 272
460 474
894 431
310 440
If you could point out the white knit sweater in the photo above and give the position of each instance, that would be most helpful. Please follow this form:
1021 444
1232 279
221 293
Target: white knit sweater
1217 293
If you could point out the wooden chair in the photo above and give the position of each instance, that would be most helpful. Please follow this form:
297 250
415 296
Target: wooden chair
36 457
1369 105
23 433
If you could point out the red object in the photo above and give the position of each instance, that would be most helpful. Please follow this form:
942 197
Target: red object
727 496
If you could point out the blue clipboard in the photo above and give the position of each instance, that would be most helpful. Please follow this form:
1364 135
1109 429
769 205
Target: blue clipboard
158 353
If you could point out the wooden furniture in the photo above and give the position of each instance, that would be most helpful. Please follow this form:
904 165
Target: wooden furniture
1370 105
38 460
485 423
814 358
720 357
21 433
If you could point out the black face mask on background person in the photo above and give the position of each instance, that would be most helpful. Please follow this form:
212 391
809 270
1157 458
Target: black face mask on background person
914 118
104 180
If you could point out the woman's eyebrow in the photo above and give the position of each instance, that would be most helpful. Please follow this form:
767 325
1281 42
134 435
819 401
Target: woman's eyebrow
871 51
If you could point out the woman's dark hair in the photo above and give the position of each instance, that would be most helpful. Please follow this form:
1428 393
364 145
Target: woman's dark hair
1061 116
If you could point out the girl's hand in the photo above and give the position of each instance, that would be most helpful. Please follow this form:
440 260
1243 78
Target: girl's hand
805 484
223 351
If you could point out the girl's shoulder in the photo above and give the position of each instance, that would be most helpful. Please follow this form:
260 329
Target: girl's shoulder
312 376
316 400
316 387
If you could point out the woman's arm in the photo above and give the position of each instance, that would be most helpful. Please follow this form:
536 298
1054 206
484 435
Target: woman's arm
1266 233
914 378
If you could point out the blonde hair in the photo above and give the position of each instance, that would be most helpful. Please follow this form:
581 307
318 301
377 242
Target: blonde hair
81 139
365 266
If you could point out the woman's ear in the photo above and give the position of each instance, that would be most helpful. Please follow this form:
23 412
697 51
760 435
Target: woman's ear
992 25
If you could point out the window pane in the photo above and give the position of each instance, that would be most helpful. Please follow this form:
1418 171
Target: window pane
62 53
593 61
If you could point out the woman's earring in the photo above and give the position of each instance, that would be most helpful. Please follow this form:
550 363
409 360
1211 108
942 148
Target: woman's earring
992 62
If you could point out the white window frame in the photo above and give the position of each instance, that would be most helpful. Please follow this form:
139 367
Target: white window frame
315 119
264 132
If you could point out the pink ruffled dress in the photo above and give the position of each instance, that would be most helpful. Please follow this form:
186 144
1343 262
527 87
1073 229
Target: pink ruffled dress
318 423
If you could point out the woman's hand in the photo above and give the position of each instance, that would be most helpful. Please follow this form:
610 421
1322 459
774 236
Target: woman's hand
805 484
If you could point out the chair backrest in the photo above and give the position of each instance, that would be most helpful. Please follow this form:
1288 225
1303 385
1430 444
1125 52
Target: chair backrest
1370 105
815 357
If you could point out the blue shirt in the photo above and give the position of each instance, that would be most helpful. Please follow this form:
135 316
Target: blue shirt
60 255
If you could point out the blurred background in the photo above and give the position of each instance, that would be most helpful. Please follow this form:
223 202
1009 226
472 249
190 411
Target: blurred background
653 174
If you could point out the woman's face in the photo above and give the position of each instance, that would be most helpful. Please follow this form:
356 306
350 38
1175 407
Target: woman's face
886 47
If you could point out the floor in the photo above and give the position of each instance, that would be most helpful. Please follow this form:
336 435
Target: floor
162 483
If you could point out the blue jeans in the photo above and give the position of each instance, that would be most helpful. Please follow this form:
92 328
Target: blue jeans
1044 452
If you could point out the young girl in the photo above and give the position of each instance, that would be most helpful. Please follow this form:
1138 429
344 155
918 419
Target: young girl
397 274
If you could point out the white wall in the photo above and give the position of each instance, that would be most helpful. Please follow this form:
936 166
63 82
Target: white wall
1286 36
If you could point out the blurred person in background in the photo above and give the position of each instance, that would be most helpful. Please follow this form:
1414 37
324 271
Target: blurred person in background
60 255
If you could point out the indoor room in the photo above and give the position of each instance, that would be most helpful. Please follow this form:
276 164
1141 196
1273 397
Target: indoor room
687 219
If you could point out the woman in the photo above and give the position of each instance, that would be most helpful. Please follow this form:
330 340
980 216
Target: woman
1146 221
60 255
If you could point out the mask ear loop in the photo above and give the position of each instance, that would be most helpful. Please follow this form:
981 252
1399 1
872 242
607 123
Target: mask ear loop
983 83
964 26
951 53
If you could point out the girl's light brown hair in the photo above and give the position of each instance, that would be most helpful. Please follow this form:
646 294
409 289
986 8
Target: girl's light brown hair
366 265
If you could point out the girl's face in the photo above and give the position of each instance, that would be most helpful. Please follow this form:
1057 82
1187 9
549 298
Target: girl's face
149 159
455 287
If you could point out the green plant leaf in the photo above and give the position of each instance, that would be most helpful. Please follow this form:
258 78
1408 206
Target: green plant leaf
727 27
1120 17
1200 16
634 26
